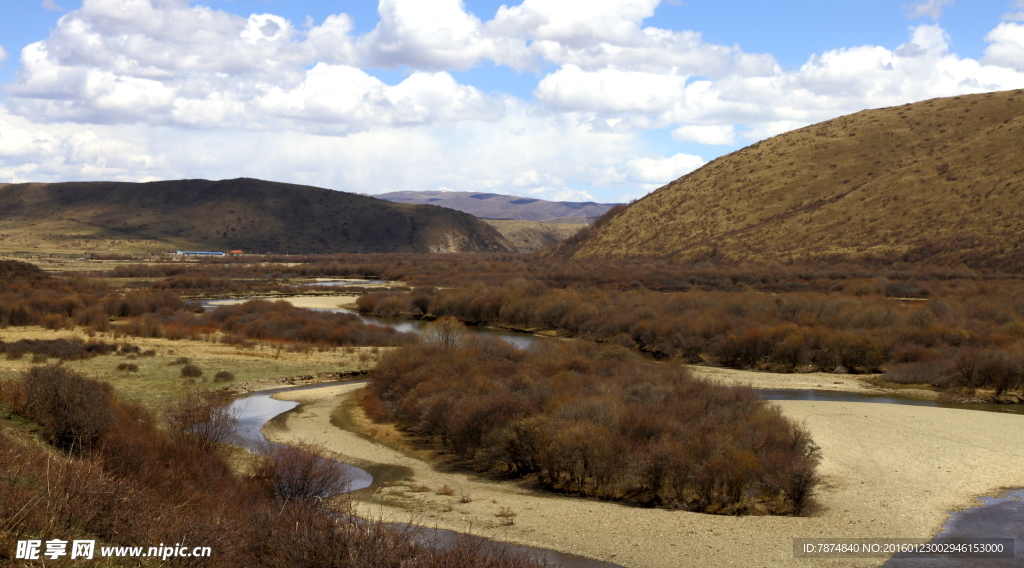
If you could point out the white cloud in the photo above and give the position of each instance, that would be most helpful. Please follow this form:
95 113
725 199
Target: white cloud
706 134
51 5
130 61
659 171
1017 15
3 54
831 84
435 35
610 90
340 99
1006 46
930 8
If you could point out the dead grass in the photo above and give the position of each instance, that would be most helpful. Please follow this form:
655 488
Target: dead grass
934 179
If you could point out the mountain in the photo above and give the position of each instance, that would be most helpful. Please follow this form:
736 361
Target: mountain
247 214
496 206
939 181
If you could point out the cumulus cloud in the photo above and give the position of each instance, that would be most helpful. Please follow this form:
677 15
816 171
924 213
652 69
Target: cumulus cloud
930 8
171 63
3 54
51 5
1006 46
435 35
830 84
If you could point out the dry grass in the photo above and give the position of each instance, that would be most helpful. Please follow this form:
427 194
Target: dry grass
158 380
935 179
530 236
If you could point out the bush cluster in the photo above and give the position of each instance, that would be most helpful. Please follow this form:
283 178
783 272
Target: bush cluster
598 421
138 486
63 349
857 327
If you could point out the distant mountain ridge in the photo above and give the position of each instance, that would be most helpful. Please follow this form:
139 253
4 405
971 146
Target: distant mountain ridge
503 207
246 214
939 181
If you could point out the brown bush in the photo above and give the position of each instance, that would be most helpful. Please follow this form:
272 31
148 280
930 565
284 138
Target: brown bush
223 377
74 411
191 371
300 472
597 421
203 419
132 367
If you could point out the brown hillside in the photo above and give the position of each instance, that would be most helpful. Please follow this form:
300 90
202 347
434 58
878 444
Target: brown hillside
247 214
532 236
940 181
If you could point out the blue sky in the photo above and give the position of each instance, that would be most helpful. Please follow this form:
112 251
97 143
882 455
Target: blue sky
558 99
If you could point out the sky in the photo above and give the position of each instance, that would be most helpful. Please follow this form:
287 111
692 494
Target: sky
577 100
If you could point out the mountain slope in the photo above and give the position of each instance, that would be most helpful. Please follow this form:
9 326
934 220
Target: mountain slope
496 206
936 181
243 213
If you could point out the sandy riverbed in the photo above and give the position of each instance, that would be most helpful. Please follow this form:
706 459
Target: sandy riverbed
332 302
889 470
815 381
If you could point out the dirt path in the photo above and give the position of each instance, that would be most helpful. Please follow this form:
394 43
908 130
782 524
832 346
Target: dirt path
889 470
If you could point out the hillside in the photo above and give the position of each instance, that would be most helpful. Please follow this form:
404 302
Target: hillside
247 214
532 236
940 181
495 206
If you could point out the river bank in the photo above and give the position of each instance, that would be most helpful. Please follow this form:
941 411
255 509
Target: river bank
888 471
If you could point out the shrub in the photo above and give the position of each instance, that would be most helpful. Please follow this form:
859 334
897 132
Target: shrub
180 361
191 371
300 472
74 411
203 419
132 367
223 377
598 421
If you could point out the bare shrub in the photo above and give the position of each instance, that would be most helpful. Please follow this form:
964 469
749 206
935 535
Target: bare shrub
191 371
74 411
203 419
465 496
132 367
300 472
39 358
446 332
180 361
223 377
446 490
419 488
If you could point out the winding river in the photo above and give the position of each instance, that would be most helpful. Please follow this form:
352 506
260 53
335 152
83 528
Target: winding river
1003 516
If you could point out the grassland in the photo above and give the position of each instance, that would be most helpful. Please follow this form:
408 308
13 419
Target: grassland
158 379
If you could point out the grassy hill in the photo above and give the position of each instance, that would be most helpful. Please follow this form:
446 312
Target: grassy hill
247 214
504 207
940 181
532 236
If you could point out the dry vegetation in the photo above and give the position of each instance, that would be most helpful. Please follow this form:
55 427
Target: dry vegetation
933 181
596 421
967 335
125 482
532 236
